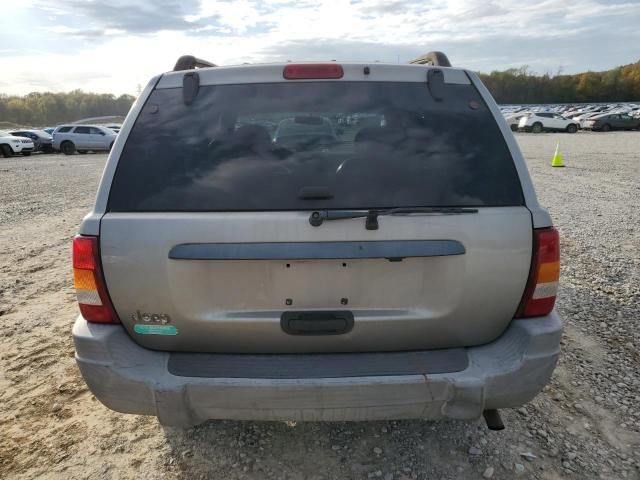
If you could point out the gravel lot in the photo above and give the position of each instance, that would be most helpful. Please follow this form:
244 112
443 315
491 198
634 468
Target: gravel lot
586 424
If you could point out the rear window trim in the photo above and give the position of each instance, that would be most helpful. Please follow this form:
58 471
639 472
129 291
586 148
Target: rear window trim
312 208
489 103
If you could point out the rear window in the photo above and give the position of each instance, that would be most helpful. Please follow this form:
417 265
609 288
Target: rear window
64 129
256 147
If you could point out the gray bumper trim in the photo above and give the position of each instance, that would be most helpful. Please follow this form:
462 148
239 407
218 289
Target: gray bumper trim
507 372
318 365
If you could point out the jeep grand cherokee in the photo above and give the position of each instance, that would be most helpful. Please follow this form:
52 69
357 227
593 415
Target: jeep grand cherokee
399 268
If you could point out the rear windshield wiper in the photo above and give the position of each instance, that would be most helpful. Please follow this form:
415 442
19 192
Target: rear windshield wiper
318 217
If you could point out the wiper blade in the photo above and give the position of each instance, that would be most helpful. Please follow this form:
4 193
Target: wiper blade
428 210
318 217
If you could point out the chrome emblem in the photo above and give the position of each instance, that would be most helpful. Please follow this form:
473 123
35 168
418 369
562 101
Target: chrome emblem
154 318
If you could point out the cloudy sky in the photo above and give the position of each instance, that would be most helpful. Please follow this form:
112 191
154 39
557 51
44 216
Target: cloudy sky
115 45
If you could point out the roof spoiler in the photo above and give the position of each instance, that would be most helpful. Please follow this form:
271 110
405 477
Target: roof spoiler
437 59
189 62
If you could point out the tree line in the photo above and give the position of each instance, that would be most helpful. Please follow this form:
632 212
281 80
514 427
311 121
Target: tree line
49 109
516 85
519 85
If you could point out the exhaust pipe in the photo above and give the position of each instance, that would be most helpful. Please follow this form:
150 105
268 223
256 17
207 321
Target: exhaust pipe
492 417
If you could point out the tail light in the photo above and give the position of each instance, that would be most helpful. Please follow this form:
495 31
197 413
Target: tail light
542 287
307 71
93 298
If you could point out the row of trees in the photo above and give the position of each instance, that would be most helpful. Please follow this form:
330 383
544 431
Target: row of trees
510 86
49 109
621 84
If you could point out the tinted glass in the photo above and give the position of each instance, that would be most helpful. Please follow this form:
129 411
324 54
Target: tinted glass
369 145
96 131
81 130
64 129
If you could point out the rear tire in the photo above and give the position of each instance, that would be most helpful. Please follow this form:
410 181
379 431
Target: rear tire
606 127
26 154
68 148
571 128
514 128
536 127
6 151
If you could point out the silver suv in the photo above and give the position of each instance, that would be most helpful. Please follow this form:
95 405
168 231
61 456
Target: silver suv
401 268
70 139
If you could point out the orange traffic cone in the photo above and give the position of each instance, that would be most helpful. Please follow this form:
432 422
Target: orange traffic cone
557 159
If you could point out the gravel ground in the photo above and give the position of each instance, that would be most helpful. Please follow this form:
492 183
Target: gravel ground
585 424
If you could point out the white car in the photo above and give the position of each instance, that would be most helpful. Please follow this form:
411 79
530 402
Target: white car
10 145
582 116
547 121
113 126
70 139
513 119
585 117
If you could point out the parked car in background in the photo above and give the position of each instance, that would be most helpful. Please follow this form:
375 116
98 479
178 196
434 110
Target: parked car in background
70 139
579 113
305 131
547 122
114 126
613 121
583 116
11 145
514 120
42 141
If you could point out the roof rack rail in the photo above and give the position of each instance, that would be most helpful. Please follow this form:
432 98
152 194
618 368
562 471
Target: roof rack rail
438 59
189 62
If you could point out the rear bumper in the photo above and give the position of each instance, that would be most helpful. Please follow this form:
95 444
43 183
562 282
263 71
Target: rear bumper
507 372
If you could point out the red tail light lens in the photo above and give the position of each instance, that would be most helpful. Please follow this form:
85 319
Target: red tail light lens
93 298
308 71
542 287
